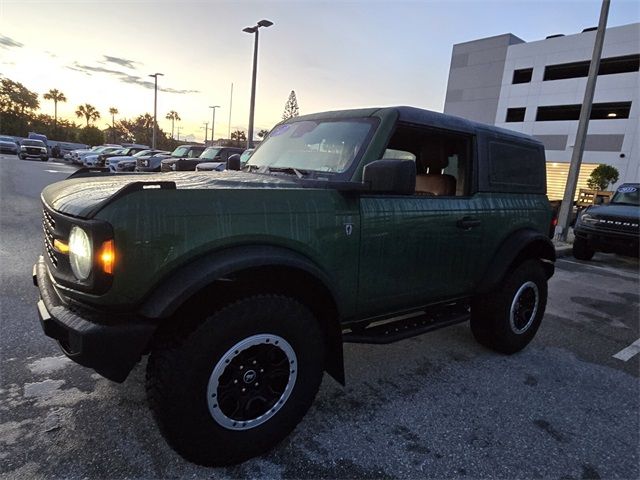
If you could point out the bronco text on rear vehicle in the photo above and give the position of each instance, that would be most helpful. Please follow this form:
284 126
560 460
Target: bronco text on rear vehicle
369 225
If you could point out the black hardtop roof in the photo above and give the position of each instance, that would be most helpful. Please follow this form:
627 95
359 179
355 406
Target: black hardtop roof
420 116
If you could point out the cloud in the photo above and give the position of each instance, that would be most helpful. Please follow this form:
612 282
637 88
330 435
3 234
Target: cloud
6 42
125 78
123 62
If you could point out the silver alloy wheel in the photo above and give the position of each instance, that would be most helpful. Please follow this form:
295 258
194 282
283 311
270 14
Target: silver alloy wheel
247 386
524 307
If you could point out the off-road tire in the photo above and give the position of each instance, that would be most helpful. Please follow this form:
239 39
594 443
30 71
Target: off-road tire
582 250
492 320
180 370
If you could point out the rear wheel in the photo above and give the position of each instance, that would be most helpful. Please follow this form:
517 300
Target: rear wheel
238 384
582 250
508 319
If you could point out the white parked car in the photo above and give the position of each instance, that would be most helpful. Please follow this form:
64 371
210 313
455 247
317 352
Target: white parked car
77 156
91 159
112 162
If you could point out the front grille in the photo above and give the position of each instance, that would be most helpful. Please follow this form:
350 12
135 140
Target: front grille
620 224
165 167
34 151
48 226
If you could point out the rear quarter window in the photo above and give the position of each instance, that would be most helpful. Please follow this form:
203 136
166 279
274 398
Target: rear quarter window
516 167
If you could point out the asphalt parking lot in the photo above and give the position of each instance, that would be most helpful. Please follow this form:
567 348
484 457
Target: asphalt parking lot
435 406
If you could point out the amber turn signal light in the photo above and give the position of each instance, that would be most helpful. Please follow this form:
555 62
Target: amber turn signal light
107 256
60 246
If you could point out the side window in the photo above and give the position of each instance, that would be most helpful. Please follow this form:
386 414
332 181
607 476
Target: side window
224 155
443 159
518 167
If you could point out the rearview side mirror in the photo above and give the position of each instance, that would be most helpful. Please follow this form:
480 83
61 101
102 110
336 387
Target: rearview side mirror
233 162
391 176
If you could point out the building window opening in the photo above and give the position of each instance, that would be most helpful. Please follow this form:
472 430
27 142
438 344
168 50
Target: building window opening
608 66
523 75
599 111
515 114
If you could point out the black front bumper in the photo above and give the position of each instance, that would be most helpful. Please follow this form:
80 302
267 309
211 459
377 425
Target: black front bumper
109 344
623 243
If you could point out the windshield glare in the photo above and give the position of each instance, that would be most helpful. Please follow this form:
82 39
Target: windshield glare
627 195
323 146
180 152
210 153
142 153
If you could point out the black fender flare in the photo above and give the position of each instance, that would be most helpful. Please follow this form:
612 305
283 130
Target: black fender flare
185 281
521 244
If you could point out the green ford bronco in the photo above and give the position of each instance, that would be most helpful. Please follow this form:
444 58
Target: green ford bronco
368 226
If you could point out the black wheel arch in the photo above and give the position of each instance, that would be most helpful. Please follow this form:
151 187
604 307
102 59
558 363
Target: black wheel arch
222 275
519 246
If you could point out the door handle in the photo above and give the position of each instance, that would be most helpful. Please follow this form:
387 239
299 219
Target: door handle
467 223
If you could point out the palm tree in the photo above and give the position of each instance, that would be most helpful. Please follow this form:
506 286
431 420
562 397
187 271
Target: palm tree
173 116
89 112
238 136
57 96
113 111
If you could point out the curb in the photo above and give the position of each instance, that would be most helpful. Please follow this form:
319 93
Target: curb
563 250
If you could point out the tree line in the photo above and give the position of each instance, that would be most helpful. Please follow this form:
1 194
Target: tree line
19 115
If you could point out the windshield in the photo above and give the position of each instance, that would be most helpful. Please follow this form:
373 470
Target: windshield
210 153
32 143
142 153
180 152
627 195
6 139
323 146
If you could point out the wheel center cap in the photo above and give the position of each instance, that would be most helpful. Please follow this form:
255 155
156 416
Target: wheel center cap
249 376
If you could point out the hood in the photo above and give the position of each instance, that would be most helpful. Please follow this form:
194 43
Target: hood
612 210
120 158
84 196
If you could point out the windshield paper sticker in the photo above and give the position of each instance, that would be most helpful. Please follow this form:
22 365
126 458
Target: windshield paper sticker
627 189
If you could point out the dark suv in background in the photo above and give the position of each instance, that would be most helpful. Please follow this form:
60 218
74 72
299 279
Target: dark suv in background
153 164
611 228
211 154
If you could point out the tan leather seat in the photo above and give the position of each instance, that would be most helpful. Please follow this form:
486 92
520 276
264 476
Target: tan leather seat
435 184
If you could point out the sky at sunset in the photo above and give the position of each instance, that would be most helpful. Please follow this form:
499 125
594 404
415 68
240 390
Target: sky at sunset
334 54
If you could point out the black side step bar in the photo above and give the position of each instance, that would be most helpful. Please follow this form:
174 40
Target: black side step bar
407 327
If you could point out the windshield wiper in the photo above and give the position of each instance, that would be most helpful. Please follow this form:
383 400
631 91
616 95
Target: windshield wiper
291 170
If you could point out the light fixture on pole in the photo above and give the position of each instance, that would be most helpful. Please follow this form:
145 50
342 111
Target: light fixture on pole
155 108
206 132
254 30
213 122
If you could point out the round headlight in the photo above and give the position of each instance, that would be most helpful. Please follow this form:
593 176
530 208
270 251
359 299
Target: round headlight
80 253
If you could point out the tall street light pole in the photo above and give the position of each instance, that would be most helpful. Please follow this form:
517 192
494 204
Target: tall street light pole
562 229
213 122
254 30
155 108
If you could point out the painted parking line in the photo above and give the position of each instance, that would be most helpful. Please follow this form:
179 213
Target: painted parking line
615 270
627 353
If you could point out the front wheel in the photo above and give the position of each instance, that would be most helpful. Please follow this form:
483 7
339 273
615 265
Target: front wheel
238 384
507 320
582 250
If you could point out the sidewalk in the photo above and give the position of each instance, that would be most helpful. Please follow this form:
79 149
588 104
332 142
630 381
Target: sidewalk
563 249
